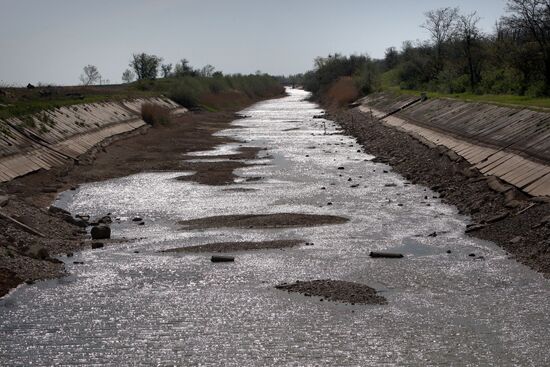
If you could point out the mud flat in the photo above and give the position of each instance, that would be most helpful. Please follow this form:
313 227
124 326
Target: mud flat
279 220
500 213
336 291
237 246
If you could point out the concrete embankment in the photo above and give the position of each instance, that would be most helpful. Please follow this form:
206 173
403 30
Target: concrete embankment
509 143
51 138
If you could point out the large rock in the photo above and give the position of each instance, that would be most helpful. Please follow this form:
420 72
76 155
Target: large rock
37 252
101 232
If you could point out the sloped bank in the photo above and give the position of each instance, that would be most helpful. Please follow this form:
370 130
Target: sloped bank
518 222
53 137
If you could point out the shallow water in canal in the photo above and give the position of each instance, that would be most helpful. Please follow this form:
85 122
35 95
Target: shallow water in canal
151 308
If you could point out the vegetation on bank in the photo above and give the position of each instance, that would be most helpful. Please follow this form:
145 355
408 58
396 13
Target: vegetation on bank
510 65
201 88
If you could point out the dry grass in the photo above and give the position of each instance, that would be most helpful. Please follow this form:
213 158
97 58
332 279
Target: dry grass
154 114
342 92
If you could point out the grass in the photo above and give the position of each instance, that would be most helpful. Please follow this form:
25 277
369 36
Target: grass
389 84
188 91
508 100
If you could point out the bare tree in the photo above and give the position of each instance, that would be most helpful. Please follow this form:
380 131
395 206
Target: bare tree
469 33
90 75
183 68
145 66
128 76
441 25
207 70
533 17
166 70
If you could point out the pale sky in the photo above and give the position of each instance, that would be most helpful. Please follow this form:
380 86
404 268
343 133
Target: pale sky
50 41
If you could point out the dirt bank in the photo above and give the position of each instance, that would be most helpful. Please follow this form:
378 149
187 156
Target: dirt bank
28 257
516 222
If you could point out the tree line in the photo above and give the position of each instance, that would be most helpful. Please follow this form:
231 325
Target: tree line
458 57
144 66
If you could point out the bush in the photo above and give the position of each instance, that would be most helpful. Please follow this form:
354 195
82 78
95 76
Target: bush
342 92
153 114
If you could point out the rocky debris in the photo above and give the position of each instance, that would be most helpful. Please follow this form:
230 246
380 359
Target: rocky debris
238 246
96 245
433 234
101 232
336 291
136 219
4 200
37 252
222 259
390 185
474 227
387 255
341 168
8 280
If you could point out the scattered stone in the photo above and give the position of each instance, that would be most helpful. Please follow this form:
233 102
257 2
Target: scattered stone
472 255
137 219
4 200
141 223
516 240
384 171
387 255
78 262
97 245
101 232
390 185
323 188
340 168
354 186
329 203
449 251
70 254
474 228
136 252
434 234
222 259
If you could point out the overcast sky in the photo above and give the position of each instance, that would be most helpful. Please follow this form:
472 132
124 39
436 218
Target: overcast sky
51 40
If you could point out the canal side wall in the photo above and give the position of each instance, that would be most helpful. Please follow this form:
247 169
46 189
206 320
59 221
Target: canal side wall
512 144
52 138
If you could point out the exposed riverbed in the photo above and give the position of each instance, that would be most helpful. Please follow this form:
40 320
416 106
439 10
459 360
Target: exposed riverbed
131 304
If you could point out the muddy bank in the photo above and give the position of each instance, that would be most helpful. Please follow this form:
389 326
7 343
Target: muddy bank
516 222
237 246
279 220
162 148
336 291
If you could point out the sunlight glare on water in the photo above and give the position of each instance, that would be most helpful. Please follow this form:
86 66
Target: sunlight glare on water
149 308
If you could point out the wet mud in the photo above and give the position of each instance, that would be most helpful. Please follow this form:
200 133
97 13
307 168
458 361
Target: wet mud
237 246
336 291
279 220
